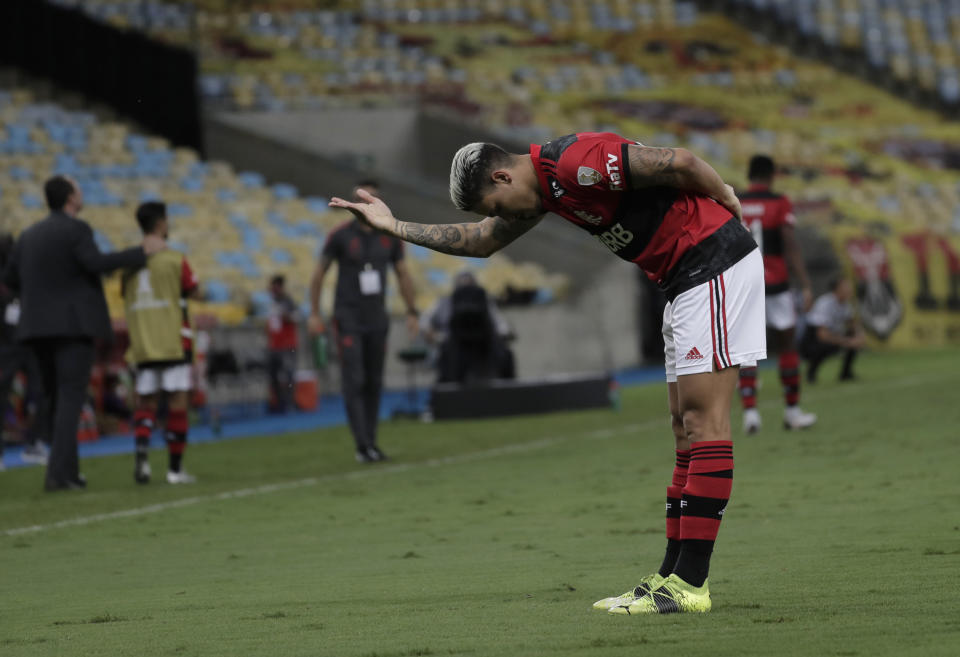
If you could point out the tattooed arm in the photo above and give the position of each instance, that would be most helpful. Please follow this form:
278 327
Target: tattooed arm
678 167
478 239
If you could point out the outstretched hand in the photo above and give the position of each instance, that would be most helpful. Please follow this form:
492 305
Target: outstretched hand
370 210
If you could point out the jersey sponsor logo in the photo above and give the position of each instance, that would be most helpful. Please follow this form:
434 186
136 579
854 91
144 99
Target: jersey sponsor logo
616 238
752 209
694 354
145 297
613 171
555 188
589 217
587 176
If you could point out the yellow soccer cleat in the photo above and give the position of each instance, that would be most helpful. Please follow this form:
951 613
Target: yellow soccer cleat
671 597
646 585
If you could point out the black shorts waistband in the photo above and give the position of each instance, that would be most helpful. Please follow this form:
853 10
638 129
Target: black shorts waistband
727 246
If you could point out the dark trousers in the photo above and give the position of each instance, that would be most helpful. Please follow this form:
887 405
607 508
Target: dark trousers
814 351
362 355
18 357
280 367
65 365
461 361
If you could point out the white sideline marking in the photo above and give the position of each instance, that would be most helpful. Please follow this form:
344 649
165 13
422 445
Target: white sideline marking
515 448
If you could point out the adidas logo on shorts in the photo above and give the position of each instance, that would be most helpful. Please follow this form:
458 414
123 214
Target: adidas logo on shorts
693 354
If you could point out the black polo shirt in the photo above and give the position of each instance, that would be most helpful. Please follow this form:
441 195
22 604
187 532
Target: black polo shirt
362 257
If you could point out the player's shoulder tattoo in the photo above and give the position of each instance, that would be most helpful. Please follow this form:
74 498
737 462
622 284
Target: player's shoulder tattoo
651 165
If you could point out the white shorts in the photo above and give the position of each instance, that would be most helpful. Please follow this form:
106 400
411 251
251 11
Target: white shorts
781 311
173 378
719 323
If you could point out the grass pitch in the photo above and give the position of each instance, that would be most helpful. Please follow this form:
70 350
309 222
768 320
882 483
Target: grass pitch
494 537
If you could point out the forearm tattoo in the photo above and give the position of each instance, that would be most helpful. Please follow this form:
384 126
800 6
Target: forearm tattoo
652 166
478 239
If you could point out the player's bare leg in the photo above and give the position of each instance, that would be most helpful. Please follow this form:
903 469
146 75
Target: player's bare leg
698 494
705 409
704 403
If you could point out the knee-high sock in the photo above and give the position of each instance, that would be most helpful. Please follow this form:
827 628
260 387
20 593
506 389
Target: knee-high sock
748 386
790 377
674 494
176 435
144 421
705 497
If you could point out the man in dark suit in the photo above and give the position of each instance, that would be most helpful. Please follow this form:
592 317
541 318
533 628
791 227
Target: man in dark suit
55 269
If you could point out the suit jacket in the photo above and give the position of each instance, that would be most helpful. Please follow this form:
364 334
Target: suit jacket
55 269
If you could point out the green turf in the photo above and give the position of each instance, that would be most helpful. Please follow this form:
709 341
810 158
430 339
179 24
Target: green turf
843 540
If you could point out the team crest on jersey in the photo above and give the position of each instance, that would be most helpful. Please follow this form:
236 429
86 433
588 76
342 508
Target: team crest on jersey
555 187
587 176
589 217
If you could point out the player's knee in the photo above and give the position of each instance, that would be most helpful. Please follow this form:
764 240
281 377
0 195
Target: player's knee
701 425
676 423
692 422
696 425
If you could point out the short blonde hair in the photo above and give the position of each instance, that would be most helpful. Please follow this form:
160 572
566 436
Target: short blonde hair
470 172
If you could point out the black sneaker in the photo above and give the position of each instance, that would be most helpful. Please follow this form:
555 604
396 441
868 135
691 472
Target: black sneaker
364 456
376 454
51 485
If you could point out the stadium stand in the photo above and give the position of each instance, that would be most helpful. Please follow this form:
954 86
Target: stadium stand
235 228
916 41
851 154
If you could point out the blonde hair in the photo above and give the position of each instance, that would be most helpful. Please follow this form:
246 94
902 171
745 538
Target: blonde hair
469 172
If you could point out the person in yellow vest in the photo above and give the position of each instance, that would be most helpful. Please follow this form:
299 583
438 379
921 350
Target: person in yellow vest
155 302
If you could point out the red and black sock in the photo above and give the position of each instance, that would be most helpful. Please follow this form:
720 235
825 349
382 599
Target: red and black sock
790 376
705 497
176 435
674 494
748 387
144 421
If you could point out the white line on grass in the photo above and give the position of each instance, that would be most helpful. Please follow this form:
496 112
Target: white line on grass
514 448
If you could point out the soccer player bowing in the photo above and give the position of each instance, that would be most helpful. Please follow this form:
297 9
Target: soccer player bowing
668 212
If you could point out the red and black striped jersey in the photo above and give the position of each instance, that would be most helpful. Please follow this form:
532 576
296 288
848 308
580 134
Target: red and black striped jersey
765 214
679 239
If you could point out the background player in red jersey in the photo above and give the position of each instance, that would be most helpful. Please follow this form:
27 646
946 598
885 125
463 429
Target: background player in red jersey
670 213
769 217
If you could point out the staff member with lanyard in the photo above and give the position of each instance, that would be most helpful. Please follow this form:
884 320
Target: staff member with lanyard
360 318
